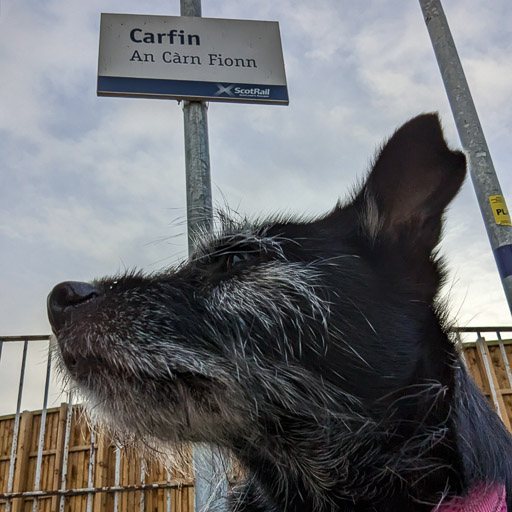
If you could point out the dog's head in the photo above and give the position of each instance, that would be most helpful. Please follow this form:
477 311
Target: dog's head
286 328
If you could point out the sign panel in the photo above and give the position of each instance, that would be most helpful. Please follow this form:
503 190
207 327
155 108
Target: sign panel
191 59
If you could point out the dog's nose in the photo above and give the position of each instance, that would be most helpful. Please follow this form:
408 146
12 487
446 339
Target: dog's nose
64 298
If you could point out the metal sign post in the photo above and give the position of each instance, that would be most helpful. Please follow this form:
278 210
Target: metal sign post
488 191
210 485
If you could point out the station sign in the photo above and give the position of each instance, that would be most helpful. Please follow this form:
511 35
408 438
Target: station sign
191 58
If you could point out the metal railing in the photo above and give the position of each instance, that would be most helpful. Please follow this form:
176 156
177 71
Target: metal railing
467 337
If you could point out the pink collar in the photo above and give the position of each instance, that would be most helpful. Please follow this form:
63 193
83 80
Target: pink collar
481 499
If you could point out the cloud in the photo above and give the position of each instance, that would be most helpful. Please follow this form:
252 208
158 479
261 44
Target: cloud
88 184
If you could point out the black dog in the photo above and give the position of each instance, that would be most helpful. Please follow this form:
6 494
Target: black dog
314 351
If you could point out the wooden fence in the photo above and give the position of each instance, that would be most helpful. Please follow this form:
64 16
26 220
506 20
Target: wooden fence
489 362
66 465
62 467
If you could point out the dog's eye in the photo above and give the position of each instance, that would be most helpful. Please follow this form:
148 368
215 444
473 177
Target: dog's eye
236 260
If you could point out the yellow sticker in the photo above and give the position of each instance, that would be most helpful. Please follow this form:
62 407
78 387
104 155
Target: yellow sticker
500 210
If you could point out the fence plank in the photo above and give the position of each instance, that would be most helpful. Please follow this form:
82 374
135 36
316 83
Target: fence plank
59 433
22 458
101 473
497 396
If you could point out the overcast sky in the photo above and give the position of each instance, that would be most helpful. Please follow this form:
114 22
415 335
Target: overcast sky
91 186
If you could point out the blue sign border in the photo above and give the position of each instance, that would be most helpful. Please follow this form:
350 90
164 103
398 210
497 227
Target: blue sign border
191 90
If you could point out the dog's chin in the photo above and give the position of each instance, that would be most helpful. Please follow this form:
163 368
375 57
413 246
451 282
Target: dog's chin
179 425
185 408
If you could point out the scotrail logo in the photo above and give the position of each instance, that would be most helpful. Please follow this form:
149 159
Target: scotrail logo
247 92
224 90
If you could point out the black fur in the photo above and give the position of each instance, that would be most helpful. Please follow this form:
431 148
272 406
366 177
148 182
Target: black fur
314 351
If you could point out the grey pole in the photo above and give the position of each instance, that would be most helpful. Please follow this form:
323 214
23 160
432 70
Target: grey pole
197 156
210 486
483 175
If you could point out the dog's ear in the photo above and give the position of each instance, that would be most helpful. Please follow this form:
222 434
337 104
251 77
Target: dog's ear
414 178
